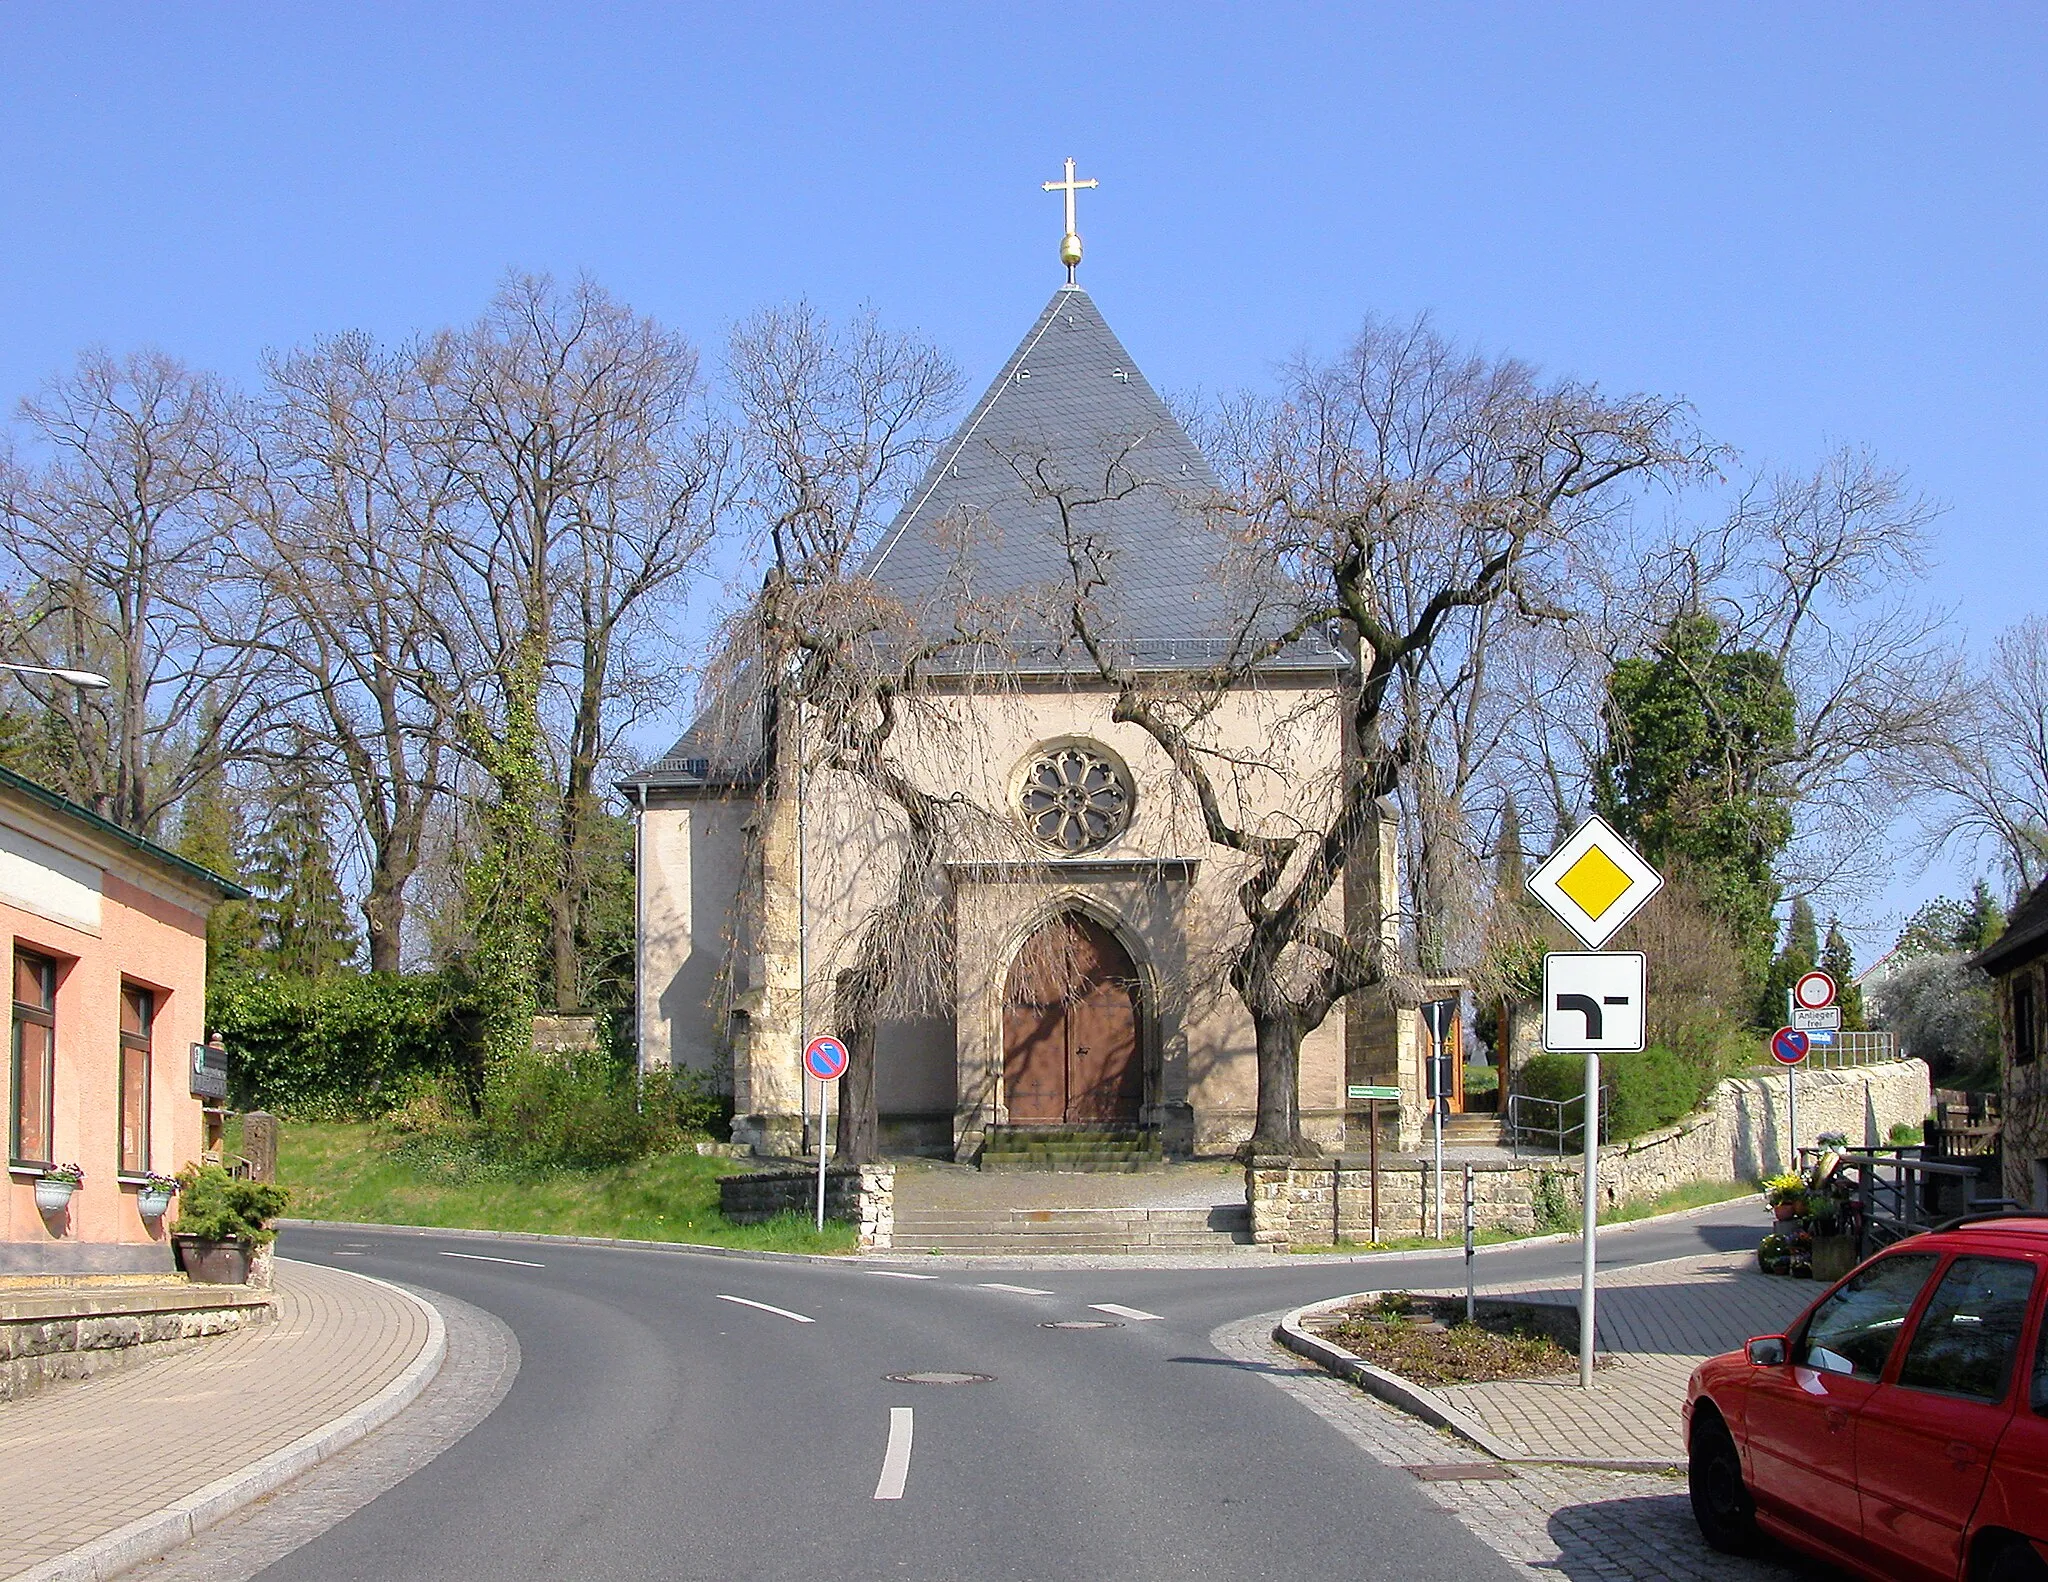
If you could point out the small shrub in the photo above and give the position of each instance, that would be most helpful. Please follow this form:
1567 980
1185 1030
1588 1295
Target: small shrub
1552 1202
1645 1091
579 1111
689 1099
1904 1135
222 1207
1482 1079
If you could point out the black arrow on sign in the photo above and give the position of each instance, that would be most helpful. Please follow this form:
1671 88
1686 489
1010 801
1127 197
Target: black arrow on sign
1589 1008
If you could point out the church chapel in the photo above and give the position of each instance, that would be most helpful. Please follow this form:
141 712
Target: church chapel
1086 983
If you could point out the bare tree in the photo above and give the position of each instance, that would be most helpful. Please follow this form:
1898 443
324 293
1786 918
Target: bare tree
1389 493
117 536
341 505
841 424
1992 777
588 480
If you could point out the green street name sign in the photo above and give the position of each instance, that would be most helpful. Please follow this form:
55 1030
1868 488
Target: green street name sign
1374 1093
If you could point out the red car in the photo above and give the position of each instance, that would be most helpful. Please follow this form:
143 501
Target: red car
1900 1428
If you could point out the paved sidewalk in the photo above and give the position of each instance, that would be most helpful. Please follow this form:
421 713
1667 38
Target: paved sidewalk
88 1458
1656 1322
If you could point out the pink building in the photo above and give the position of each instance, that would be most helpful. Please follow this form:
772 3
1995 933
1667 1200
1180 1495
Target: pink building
106 932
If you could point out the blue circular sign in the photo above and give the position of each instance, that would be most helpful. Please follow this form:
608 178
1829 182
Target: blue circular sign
825 1058
1789 1046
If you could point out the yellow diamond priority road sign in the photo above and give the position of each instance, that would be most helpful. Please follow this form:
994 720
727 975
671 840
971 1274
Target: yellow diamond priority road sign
1594 882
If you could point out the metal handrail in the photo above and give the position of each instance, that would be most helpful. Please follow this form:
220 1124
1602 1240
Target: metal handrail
1558 1131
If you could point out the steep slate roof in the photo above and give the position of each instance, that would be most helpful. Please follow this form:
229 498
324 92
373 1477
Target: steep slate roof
1069 400
2025 936
1072 410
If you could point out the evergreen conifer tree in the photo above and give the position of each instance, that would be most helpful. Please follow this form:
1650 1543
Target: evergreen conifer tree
213 833
303 912
1799 956
1838 961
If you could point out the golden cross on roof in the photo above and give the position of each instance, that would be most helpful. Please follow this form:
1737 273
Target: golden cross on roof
1070 244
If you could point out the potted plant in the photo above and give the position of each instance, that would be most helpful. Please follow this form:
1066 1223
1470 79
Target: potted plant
224 1224
55 1186
154 1194
1786 1194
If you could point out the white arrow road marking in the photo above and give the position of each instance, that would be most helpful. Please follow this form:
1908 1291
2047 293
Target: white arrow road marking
896 1459
478 1257
1014 1290
1136 1315
902 1274
781 1312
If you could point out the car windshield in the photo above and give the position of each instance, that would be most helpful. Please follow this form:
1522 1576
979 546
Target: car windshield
1853 1330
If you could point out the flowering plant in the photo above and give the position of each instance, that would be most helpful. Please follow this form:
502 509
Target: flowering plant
166 1185
73 1173
1786 1188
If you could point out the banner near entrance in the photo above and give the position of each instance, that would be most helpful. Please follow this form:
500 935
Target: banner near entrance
1595 882
1592 1001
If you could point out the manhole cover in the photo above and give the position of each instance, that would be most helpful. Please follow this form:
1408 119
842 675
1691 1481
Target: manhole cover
940 1378
1080 1323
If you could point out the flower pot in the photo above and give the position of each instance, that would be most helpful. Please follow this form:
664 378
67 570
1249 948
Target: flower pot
1789 1210
152 1205
209 1262
54 1196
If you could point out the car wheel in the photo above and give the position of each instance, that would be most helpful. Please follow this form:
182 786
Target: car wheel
2017 1562
1721 1502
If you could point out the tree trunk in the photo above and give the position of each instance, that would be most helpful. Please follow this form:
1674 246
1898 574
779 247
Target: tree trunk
1278 1128
859 1133
384 922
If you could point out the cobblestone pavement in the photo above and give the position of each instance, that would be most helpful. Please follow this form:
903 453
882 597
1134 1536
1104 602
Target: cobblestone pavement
1657 1320
87 1457
1550 1522
483 1360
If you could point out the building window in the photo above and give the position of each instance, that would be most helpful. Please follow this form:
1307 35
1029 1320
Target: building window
138 1015
2025 1033
34 1049
1074 799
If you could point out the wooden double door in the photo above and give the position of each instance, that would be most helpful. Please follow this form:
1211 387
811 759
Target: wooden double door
1071 1047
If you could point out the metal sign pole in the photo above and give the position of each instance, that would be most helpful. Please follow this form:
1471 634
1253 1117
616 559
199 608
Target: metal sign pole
1375 1145
1468 1244
1592 1221
823 1088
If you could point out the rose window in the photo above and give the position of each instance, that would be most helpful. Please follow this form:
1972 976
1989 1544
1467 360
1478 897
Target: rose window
1074 799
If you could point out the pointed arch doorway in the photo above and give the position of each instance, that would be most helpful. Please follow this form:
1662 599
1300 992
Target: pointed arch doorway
1072 1053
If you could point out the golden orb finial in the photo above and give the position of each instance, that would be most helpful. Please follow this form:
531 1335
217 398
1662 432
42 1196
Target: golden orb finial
1070 244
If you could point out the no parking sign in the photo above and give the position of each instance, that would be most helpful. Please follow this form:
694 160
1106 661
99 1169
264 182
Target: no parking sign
825 1058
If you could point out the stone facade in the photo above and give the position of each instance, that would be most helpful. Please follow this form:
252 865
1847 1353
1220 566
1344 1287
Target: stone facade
2018 964
1740 1136
864 1198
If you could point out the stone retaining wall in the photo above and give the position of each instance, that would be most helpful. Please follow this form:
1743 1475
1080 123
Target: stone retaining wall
1740 1136
864 1198
73 1334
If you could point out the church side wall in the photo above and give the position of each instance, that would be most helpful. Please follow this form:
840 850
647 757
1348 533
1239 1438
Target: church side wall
692 852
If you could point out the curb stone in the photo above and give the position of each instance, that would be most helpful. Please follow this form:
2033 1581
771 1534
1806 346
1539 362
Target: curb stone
910 1258
1419 1402
148 1536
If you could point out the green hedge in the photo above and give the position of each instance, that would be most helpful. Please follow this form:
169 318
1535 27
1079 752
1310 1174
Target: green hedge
345 1046
1644 1091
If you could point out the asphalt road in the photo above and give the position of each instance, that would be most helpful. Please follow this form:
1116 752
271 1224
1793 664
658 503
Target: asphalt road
660 1429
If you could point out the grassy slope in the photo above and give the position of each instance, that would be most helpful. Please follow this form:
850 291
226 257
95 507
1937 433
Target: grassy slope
355 1172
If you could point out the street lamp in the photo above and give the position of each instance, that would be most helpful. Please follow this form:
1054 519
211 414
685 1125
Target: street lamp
89 680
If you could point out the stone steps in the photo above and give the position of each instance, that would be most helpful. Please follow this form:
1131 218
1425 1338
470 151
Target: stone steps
1079 1150
1072 1230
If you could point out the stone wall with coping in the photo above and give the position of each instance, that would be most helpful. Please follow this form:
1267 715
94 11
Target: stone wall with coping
74 1334
864 1198
1739 1136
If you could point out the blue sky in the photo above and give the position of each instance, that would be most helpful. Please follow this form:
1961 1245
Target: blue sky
1822 224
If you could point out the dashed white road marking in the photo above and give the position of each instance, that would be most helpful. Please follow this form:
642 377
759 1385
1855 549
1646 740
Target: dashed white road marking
1135 1314
478 1257
1014 1290
902 1274
896 1459
780 1312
